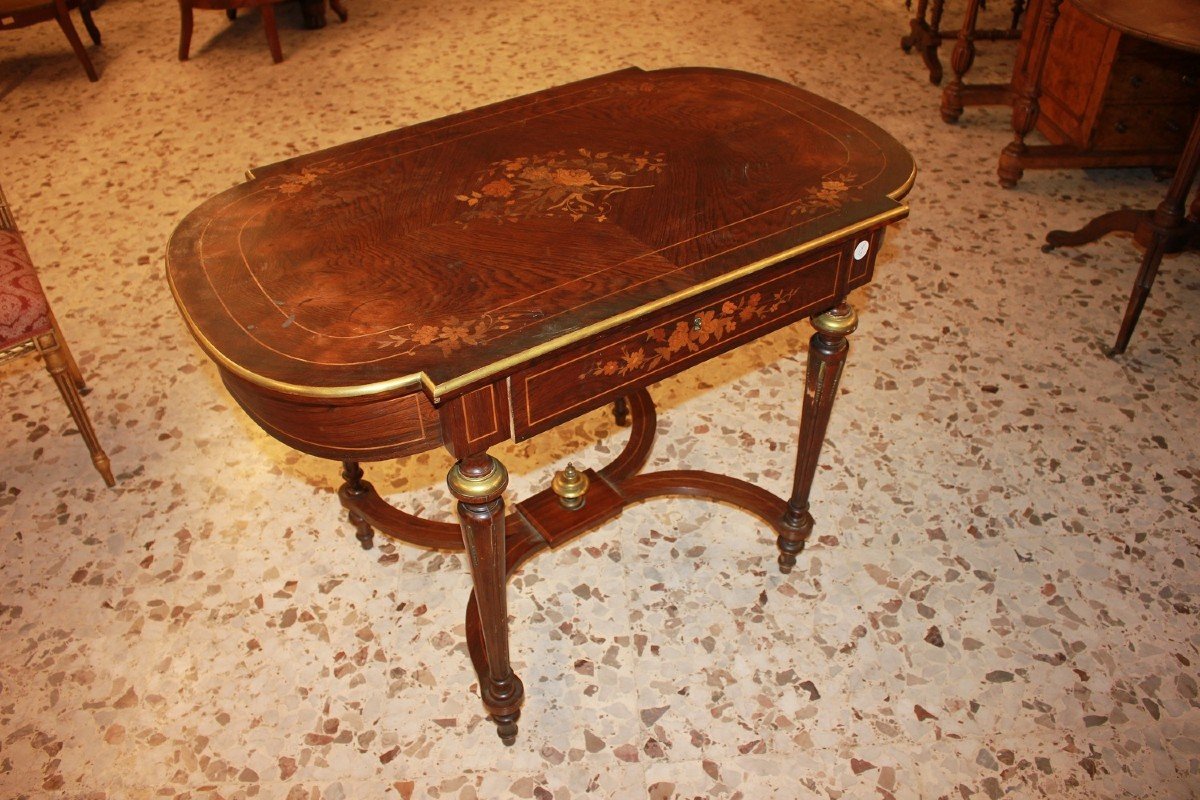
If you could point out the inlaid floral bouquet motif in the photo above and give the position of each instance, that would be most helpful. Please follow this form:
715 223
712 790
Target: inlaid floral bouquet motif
832 194
661 345
450 335
575 185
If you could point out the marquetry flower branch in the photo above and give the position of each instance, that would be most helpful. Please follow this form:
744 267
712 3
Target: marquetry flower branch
451 334
298 182
661 345
832 194
575 185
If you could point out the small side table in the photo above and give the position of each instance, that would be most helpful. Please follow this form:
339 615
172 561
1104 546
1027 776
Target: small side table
1167 229
493 274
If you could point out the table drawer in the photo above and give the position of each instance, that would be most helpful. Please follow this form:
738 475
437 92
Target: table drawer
587 376
1142 127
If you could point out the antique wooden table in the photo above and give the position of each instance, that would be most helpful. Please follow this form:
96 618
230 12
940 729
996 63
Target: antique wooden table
1168 228
495 273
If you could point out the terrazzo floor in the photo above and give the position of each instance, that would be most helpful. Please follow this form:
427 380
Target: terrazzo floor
1000 599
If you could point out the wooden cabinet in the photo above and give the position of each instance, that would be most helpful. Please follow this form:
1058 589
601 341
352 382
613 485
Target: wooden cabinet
1102 98
1104 90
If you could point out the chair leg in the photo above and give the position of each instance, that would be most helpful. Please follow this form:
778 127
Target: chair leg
51 346
72 366
185 29
64 22
268 16
85 11
339 9
231 14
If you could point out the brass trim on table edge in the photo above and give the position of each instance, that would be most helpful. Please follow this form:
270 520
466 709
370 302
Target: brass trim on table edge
900 193
437 391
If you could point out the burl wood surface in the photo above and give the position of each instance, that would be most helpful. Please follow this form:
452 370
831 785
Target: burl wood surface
456 249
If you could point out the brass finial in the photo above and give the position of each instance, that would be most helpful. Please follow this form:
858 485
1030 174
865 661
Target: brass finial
571 486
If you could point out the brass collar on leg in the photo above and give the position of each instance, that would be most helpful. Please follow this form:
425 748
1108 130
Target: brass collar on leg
480 489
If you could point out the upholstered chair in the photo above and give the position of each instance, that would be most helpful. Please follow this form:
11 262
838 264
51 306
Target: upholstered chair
28 327
22 13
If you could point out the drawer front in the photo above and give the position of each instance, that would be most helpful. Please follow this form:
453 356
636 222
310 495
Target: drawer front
1152 74
1143 127
586 377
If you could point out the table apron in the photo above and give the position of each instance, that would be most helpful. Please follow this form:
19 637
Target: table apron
588 375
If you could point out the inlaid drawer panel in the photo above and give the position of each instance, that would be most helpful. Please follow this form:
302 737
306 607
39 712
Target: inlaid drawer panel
574 381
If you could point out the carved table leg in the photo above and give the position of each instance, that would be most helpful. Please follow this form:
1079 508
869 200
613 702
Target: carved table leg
826 357
353 475
477 482
960 61
1168 226
1025 104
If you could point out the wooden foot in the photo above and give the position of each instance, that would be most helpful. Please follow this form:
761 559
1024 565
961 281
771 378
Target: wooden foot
826 357
339 9
1125 219
621 411
356 488
478 482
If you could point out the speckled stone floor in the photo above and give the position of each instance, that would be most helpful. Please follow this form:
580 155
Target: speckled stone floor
1000 599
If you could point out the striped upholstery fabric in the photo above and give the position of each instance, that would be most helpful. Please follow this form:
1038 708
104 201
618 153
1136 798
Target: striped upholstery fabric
24 312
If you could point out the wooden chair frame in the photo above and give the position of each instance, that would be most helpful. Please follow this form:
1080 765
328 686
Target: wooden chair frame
51 345
60 11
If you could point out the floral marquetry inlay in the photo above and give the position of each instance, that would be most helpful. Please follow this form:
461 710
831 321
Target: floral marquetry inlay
662 345
450 335
832 194
575 185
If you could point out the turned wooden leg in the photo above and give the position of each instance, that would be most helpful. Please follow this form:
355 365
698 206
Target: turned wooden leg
355 487
55 355
960 61
621 411
826 357
917 26
1025 103
1169 225
478 482
929 53
72 366
185 29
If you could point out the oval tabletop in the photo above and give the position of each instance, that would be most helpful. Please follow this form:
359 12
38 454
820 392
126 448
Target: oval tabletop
1174 23
454 249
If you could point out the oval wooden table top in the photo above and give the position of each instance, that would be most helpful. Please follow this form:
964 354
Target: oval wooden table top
451 251
1174 23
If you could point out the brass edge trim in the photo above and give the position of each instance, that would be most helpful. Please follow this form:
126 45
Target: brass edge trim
438 391
906 187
